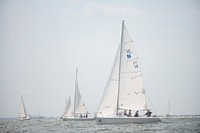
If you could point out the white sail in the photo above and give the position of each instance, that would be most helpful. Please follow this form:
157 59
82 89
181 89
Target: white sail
79 105
65 111
22 115
108 102
131 91
69 109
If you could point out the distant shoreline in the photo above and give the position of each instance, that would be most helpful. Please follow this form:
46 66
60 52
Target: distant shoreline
54 117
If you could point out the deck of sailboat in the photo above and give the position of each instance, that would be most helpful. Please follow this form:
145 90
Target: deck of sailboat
125 120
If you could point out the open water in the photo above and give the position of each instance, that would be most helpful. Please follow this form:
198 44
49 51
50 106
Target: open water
47 125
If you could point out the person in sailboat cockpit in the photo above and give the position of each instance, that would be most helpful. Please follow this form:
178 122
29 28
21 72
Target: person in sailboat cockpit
129 114
148 113
125 113
136 114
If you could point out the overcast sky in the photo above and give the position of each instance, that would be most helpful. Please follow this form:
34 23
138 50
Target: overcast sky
43 41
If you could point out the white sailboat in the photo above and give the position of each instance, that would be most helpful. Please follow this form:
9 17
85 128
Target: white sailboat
125 88
78 111
22 115
169 114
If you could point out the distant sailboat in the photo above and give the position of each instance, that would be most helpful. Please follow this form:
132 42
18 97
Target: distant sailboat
125 89
169 114
78 111
22 115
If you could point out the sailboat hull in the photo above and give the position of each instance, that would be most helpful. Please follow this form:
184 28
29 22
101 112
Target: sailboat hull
24 118
122 120
78 119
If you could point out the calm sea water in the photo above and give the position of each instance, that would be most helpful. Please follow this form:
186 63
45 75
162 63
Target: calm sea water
172 125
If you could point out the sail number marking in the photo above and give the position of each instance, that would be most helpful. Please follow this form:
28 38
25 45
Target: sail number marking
128 54
135 64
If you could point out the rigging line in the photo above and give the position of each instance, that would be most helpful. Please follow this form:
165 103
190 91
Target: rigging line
152 106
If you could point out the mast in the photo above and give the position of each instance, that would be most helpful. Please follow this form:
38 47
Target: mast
169 108
120 66
76 86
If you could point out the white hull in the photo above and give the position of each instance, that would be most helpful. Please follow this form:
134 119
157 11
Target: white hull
24 118
78 119
122 120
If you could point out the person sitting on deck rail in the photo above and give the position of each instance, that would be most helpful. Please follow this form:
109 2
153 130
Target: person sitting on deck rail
129 114
125 113
148 113
136 114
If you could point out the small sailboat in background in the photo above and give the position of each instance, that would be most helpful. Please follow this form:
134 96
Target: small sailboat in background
169 114
78 111
124 91
22 115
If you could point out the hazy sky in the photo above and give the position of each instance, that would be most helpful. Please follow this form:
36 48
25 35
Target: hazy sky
43 41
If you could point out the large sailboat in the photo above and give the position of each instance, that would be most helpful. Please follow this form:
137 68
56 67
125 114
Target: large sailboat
124 93
78 111
22 115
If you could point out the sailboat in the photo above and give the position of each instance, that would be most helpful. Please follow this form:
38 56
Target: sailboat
169 114
22 115
78 111
124 92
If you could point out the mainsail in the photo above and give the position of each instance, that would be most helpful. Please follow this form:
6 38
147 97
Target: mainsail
125 89
131 90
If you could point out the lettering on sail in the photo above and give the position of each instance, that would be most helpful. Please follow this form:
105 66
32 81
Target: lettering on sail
129 54
135 64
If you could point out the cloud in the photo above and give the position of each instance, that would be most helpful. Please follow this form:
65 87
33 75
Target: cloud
111 10
126 11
